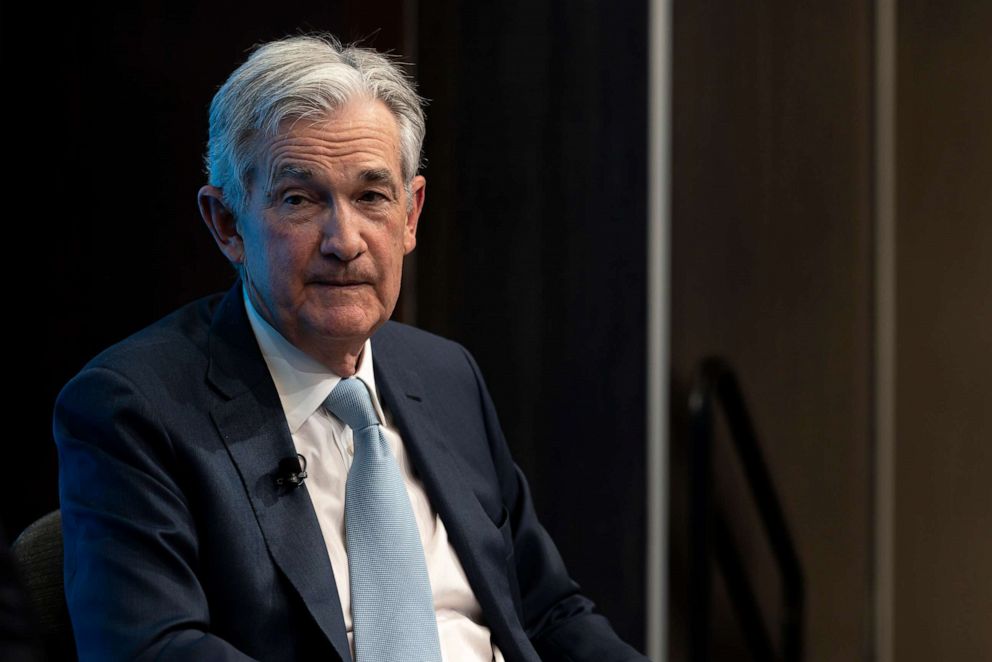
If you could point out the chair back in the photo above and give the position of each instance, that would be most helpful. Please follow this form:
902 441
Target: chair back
38 554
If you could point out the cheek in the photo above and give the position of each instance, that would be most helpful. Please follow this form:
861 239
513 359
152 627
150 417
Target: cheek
284 253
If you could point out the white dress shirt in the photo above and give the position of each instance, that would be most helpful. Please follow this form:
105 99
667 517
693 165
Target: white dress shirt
326 443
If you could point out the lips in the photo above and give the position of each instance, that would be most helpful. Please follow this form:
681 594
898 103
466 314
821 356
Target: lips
340 283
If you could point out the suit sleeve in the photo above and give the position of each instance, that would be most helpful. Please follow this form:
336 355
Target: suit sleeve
130 543
561 622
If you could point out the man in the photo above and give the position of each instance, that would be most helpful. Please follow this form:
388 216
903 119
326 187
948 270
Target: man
191 530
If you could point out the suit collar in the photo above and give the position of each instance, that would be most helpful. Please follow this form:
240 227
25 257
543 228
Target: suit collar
230 341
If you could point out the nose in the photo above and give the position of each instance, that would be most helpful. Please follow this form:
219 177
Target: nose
341 232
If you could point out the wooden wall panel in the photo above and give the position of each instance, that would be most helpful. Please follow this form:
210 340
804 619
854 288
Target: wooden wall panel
771 268
943 544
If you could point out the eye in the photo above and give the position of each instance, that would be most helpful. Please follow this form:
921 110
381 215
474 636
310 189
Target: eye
294 200
372 196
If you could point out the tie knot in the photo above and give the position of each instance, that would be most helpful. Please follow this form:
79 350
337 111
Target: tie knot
350 402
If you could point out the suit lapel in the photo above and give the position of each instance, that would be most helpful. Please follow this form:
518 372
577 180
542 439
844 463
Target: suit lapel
253 426
477 542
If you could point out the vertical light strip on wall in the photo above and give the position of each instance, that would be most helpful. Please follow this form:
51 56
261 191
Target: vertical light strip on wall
659 222
885 327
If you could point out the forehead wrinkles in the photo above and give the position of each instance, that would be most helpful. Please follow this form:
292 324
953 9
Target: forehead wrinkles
334 143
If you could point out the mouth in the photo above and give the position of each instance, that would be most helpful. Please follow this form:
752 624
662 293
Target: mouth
339 283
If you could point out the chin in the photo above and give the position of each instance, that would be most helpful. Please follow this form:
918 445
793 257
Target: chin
340 328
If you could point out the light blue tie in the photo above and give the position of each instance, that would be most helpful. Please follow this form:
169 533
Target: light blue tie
392 608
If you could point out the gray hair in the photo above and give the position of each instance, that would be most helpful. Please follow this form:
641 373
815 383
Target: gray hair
304 77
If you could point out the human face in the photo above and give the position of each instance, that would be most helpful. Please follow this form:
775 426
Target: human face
327 226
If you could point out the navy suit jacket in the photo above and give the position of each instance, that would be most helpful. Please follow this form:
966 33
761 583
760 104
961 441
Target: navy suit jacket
180 545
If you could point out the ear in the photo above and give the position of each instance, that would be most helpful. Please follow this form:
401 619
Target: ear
418 187
221 222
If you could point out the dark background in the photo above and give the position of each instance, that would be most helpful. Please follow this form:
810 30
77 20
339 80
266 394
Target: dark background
531 248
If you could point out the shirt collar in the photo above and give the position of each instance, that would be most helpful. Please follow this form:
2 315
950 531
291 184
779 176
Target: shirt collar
303 383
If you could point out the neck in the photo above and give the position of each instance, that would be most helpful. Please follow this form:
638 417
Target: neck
342 361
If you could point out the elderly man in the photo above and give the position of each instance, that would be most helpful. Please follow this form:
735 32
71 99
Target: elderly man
279 472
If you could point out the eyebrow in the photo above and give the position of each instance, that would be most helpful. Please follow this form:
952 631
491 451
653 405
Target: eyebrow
378 176
302 173
291 171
